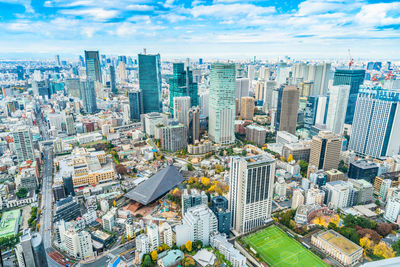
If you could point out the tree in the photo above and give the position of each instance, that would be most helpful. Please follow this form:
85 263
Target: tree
373 235
114 203
146 260
38 227
188 262
384 229
383 250
303 167
188 245
292 224
205 181
396 247
182 248
154 255
22 192
244 153
121 169
197 245
366 244
342 167
219 168
190 167
290 158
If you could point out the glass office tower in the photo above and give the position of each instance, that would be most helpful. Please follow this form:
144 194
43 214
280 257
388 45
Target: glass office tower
181 84
150 82
93 68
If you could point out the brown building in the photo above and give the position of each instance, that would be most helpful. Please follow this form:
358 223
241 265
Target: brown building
288 107
247 108
334 175
325 151
256 134
259 92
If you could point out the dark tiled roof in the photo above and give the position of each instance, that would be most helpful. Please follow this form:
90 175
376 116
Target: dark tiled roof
156 186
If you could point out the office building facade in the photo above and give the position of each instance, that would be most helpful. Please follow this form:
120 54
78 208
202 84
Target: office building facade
23 144
325 151
288 105
135 105
193 125
93 68
88 96
338 98
251 181
182 84
222 103
150 82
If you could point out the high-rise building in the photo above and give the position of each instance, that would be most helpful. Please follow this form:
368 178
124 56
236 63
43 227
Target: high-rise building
23 144
204 103
93 68
154 236
70 125
181 84
222 103
113 83
392 210
247 108
219 205
269 87
88 96
198 223
150 82
320 77
30 251
256 134
166 234
325 151
297 198
135 104
316 111
191 198
251 181
122 71
72 85
242 88
338 96
173 137
78 244
362 169
181 108
354 78
376 125
288 105
193 125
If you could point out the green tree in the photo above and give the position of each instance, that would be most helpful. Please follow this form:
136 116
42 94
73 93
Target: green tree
22 192
303 167
342 167
190 167
146 261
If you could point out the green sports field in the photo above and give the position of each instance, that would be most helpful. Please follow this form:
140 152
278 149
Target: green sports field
278 249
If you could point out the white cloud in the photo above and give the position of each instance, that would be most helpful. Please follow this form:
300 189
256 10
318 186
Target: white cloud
220 10
310 7
140 7
125 29
25 3
98 14
377 14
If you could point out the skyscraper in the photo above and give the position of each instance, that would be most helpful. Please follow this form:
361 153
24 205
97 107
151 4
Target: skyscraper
181 106
251 181
113 84
88 96
150 82
354 78
288 105
73 86
325 151
30 251
321 78
193 125
247 108
242 88
316 110
376 125
122 71
93 68
23 144
222 103
135 104
181 84
338 98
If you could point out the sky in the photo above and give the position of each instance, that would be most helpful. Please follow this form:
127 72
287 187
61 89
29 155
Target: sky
202 28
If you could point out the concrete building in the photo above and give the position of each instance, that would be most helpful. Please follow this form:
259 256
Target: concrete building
365 191
220 205
30 251
23 144
78 244
166 234
242 89
256 134
297 198
338 247
283 138
299 151
198 223
154 236
191 198
338 98
247 108
314 196
173 137
193 125
151 120
220 243
288 105
392 210
181 109
340 194
108 221
325 151
222 103
334 175
363 169
250 204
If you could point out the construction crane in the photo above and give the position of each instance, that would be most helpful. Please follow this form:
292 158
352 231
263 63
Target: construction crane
375 78
389 76
350 59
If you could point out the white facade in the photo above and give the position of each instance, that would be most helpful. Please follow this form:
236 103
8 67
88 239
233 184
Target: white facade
78 244
166 234
297 198
251 181
181 108
154 236
198 223
338 98
392 209
108 221
231 254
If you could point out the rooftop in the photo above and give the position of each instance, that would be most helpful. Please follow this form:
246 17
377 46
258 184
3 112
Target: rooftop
340 242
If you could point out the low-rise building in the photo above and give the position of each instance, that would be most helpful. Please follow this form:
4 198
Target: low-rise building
231 254
338 247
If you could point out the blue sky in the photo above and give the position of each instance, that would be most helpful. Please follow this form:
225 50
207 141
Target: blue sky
202 28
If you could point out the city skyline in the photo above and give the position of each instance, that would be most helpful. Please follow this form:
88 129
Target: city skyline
219 28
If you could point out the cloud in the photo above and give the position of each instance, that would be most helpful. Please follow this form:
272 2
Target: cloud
220 10
98 14
140 7
311 7
25 3
378 14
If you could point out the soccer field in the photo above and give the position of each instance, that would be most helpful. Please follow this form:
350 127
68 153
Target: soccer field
277 249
